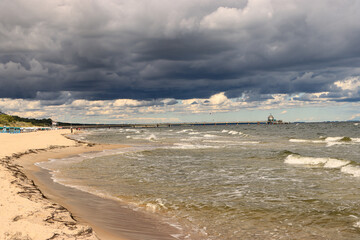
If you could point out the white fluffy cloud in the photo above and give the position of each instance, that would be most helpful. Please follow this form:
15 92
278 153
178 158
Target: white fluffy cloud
255 13
351 84
123 110
218 99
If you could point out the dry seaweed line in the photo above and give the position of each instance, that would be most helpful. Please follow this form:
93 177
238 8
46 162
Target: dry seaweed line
59 214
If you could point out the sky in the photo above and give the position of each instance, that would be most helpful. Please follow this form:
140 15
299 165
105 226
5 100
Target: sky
147 61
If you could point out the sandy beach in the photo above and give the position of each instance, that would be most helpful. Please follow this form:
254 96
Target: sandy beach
25 212
32 206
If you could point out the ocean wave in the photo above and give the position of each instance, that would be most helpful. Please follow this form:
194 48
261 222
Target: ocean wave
185 130
352 170
155 206
357 224
345 166
209 136
190 139
249 142
305 141
329 141
133 130
336 163
151 137
332 141
232 142
194 133
325 162
299 160
220 141
53 163
192 146
232 132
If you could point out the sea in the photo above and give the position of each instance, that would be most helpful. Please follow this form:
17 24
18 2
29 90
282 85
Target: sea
289 181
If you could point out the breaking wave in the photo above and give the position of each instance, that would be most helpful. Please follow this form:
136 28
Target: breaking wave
325 162
345 166
329 141
192 146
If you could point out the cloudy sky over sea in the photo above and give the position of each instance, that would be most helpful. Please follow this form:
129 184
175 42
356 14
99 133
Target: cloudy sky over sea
121 61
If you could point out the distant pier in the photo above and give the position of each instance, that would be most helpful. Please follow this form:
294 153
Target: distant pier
165 125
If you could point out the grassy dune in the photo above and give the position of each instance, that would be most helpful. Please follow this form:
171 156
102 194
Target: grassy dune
15 121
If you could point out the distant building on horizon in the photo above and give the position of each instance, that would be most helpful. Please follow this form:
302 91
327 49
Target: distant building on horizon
272 120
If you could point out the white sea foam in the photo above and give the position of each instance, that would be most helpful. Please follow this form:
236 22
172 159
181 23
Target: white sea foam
329 144
151 207
357 224
305 141
132 130
233 132
191 146
326 162
151 137
190 139
250 142
185 130
194 133
333 139
299 140
352 170
329 141
209 136
218 141
335 163
299 160
226 143
344 165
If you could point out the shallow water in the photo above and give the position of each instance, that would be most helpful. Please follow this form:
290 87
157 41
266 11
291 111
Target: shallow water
296 181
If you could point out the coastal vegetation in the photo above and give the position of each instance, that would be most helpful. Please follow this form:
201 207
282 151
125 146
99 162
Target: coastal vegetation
15 121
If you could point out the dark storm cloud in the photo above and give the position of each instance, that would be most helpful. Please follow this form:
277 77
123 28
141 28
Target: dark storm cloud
67 50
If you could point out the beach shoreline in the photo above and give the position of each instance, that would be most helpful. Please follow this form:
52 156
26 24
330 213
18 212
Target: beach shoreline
25 212
48 212
27 209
